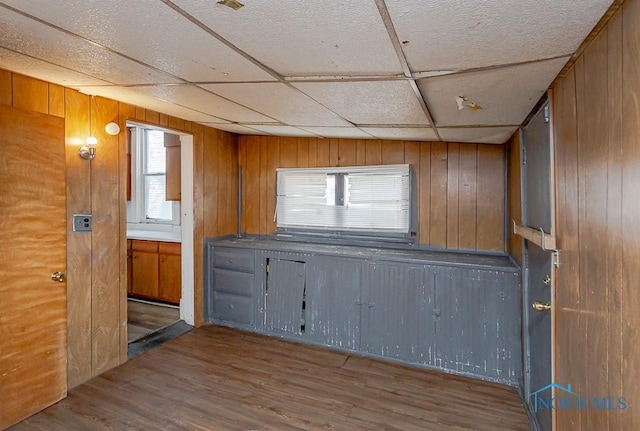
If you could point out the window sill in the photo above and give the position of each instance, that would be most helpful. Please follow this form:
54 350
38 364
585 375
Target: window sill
150 235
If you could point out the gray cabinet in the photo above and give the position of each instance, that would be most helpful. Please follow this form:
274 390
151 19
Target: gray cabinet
462 317
233 297
397 311
333 301
284 296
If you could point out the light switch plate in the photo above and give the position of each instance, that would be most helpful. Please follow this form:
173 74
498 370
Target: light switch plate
82 222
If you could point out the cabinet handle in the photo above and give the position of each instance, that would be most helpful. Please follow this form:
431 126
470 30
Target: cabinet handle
371 304
231 306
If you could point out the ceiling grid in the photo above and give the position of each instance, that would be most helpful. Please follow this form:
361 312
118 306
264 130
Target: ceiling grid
459 71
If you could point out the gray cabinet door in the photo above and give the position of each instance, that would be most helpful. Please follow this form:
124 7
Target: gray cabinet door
333 302
396 312
478 323
285 291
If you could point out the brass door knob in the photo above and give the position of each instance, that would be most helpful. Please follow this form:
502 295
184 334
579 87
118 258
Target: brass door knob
541 306
58 276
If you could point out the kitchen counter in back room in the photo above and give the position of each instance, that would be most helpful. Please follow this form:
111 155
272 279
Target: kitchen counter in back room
456 312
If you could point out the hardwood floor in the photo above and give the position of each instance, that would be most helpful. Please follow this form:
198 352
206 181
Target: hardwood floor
216 378
144 318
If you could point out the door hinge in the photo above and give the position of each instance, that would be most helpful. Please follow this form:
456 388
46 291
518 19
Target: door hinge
524 155
546 114
555 258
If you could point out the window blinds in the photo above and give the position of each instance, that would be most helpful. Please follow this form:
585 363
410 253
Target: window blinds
373 199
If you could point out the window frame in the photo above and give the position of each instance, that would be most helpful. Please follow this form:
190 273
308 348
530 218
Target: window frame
137 206
346 231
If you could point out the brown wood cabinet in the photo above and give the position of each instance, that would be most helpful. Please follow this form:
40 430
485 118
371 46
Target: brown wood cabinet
173 162
156 272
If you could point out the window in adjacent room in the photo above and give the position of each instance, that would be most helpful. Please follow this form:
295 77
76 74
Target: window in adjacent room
149 204
359 199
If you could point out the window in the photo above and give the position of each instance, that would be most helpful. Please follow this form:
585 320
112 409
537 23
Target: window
148 203
356 199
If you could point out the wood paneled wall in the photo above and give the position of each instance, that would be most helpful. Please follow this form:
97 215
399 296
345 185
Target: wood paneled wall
96 261
461 187
597 296
514 196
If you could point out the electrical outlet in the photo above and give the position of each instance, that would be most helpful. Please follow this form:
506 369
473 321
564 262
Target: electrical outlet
82 222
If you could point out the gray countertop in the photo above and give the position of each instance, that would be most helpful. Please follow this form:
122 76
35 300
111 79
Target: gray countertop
447 258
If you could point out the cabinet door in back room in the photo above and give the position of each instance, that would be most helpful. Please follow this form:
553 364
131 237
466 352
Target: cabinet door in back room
286 281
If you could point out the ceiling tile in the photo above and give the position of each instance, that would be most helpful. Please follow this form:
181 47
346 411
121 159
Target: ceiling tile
304 37
402 133
279 101
171 43
24 35
370 102
479 135
282 131
338 132
40 69
201 100
134 96
506 95
234 128
462 34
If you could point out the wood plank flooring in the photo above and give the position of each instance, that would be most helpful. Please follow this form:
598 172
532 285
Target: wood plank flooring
216 378
144 318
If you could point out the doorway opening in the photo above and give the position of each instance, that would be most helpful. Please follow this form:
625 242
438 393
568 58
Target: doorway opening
159 234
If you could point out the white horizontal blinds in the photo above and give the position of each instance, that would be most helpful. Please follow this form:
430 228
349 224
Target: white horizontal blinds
375 198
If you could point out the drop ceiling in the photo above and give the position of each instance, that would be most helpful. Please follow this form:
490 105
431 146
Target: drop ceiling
364 69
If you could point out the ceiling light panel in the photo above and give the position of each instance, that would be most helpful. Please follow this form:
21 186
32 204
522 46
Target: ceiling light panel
169 42
370 102
300 37
402 133
505 95
33 67
280 102
25 35
467 33
338 132
136 96
478 135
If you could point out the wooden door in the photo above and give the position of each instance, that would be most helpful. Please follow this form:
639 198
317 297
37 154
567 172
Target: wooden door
33 316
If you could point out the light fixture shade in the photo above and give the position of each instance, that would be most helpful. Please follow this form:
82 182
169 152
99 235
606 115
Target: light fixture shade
112 128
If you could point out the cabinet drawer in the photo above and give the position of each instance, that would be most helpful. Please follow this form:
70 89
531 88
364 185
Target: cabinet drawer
233 308
238 283
242 260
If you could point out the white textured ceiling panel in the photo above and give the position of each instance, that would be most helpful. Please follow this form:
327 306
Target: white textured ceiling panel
201 100
170 42
234 128
134 96
479 135
39 69
338 132
25 35
402 133
463 34
283 131
370 102
320 37
280 102
506 95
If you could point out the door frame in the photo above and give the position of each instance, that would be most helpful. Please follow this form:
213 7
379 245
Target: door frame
548 99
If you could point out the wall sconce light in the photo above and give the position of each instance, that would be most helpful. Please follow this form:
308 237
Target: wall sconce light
88 151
